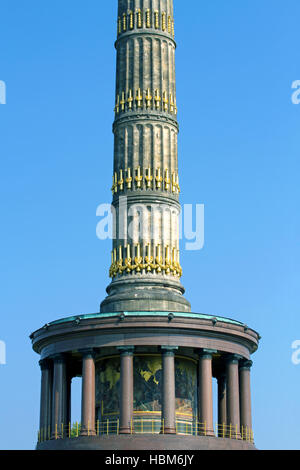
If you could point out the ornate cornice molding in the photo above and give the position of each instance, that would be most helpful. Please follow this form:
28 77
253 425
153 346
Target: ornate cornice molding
140 115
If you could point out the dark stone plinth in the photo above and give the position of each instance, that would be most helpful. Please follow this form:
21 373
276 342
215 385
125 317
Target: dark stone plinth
145 442
145 294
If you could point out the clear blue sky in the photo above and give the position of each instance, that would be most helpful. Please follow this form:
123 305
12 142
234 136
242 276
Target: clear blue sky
239 155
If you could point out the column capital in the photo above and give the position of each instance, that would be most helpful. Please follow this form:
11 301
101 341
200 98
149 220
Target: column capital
58 358
233 358
245 364
206 353
126 350
87 353
45 364
169 350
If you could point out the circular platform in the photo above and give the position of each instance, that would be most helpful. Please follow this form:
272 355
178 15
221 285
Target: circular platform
146 442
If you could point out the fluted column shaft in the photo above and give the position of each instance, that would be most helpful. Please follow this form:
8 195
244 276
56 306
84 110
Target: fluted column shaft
46 397
145 254
205 400
168 390
145 127
233 396
245 396
88 406
126 389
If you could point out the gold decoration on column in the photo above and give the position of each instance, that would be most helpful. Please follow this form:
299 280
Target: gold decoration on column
156 19
165 101
139 18
175 107
167 260
112 267
139 98
139 177
148 178
115 184
131 19
174 188
123 102
128 260
117 107
121 181
174 261
157 99
177 183
120 260
124 22
167 180
128 179
147 262
148 98
148 266
130 99
148 18
169 25
171 103
127 21
159 261
163 21
138 259
168 104
158 178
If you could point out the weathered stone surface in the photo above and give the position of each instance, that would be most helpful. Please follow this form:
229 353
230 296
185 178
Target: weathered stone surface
145 160
146 442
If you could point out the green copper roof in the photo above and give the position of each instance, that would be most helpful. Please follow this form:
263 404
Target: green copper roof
146 314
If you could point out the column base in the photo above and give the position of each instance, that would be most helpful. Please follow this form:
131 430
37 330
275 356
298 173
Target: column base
168 431
125 431
146 442
142 294
234 436
86 432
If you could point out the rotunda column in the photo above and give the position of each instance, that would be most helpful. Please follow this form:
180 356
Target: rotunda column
245 399
59 396
222 411
205 399
46 396
168 390
88 405
233 396
126 389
